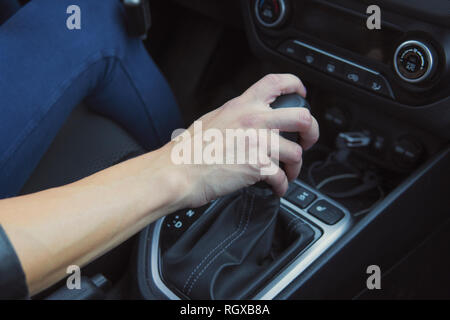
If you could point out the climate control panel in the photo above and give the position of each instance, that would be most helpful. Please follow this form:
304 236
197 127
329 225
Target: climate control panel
339 67
406 61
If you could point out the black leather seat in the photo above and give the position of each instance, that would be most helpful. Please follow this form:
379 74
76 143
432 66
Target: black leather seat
87 143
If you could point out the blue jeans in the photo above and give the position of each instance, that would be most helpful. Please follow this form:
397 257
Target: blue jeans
7 9
47 69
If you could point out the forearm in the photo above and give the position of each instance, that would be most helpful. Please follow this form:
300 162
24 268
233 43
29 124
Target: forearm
74 224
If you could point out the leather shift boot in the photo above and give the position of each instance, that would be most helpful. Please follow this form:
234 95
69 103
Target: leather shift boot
230 252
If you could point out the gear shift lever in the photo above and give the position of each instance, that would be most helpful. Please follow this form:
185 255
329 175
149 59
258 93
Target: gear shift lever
234 249
292 100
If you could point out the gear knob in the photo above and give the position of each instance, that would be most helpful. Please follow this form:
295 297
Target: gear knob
292 100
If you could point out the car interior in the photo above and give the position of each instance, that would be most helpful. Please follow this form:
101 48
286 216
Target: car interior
374 190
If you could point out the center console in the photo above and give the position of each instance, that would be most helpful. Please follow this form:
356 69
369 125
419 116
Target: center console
193 254
372 189
312 247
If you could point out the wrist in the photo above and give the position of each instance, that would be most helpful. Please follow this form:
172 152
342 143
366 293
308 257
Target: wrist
175 178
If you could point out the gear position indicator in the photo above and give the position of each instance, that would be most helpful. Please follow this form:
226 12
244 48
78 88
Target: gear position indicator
177 223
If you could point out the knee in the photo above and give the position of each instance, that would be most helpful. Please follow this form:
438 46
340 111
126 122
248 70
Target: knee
101 24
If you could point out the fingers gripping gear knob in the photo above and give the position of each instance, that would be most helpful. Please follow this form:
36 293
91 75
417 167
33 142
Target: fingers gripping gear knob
292 100
237 247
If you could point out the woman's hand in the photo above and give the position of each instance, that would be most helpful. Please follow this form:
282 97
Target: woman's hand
71 225
251 110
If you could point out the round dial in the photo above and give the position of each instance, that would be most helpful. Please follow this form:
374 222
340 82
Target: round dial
413 61
270 13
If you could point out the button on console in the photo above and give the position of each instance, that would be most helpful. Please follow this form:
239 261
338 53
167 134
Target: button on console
353 75
377 84
310 58
289 48
332 66
270 13
326 212
348 71
414 61
300 196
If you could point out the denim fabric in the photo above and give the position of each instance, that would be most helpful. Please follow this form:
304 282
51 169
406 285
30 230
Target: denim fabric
7 9
47 69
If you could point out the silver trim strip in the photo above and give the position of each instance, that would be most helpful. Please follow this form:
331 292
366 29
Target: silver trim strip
336 57
132 2
304 259
276 22
154 263
427 53
155 258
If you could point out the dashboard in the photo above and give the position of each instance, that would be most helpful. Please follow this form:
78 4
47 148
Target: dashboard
402 68
403 59
359 80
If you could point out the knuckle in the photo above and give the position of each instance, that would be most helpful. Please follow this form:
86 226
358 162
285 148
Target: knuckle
273 80
259 165
255 167
297 153
298 80
249 95
295 79
317 132
231 104
305 117
250 120
240 100
316 138
278 178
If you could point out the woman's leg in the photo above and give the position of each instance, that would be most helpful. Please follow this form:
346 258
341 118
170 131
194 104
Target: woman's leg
47 69
7 9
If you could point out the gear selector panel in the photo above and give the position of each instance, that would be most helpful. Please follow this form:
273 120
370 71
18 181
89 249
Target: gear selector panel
247 245
237 248
273 249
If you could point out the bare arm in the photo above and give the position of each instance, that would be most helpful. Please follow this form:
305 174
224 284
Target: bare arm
76 223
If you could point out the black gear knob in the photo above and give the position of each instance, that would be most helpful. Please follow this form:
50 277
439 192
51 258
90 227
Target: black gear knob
292 100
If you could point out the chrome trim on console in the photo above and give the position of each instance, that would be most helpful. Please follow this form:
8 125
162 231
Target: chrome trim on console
427 53
155 258
154 263
329 235
276 22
